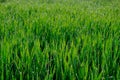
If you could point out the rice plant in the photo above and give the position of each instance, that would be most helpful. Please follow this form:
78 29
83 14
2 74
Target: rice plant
60 40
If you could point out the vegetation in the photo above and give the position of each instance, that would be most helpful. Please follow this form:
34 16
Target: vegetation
2 0
60 40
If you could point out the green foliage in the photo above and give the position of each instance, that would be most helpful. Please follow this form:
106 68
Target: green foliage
60 40
2 0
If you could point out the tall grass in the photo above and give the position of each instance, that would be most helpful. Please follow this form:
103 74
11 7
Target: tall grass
60 41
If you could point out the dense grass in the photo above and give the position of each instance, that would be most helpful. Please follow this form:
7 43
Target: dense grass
60 40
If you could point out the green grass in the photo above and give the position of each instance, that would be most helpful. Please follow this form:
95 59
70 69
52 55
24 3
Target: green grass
60 40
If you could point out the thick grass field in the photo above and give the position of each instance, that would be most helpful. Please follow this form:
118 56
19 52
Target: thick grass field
60 40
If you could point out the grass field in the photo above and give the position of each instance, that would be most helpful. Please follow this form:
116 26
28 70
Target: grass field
60 40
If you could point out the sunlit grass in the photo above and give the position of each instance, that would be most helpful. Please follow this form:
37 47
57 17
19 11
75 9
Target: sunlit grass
63 40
